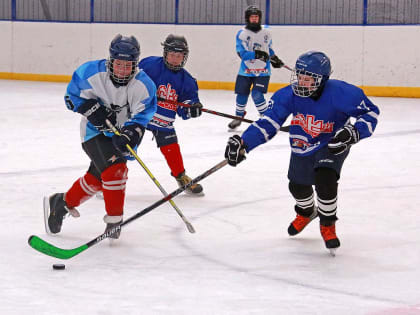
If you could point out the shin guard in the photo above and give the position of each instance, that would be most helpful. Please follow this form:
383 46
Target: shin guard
114 180
82 189
172 154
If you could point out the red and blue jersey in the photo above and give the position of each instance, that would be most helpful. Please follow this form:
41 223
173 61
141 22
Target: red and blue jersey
172 86
314 122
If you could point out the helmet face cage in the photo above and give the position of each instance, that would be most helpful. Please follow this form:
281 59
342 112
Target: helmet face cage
122 80
124 49
301 89
178 44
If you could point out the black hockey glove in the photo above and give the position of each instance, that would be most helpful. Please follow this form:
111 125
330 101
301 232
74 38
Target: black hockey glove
261 55
235 151
194 110
276 62
97 114
130 135
343 139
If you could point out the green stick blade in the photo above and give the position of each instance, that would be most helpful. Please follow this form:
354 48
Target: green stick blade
48 249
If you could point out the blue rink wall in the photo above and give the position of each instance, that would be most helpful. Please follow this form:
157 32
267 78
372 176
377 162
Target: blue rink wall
383 60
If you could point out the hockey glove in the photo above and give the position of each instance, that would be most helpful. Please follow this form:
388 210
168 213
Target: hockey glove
131 135
276 62
343 139
235 151
97 114
261 55
194 110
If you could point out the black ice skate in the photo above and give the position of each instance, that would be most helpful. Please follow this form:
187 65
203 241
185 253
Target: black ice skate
330 238
195 189
113 226
234 124
55 209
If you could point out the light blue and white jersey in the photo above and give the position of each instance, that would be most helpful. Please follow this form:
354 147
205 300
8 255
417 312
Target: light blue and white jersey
132 103
246 43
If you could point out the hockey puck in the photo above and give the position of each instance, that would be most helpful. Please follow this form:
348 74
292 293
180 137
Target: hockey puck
59 266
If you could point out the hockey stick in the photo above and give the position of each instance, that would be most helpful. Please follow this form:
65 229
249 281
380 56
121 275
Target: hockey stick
213 112
187 223
46 248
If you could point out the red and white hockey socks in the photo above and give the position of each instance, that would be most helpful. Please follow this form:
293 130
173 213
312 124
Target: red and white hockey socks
114 180
173 157
82 189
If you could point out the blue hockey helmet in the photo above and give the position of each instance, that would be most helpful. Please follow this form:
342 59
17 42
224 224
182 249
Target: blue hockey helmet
175 43
127 49
253 10
313 64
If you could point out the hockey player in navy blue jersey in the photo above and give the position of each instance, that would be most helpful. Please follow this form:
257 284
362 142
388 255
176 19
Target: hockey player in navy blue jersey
253 46
321 135
174 85
103 90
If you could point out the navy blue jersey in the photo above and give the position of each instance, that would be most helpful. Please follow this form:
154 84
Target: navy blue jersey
314 122
177 86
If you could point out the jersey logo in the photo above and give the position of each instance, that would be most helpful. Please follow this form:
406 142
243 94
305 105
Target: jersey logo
166 92
311 126
363 105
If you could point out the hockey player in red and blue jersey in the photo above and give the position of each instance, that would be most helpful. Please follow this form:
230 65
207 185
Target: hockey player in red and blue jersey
174 85
321 135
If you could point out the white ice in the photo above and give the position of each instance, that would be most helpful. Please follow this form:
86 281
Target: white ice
241 260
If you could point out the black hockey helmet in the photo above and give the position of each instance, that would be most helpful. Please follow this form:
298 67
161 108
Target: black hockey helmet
123 48
175 43
253 10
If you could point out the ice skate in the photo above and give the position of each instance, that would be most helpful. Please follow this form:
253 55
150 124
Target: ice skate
234 124
195 189
113 227
55 209
300 222
330 238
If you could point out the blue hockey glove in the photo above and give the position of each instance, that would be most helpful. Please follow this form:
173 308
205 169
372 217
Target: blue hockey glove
97 114
276 62
131 135
343 139
262 55
194 110
235 151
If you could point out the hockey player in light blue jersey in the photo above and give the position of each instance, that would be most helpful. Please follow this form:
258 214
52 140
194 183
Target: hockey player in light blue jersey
321 135
103 90
174 85
254 47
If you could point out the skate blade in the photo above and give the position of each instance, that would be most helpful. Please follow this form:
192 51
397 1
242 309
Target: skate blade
332 251
100 195
46 203
189 193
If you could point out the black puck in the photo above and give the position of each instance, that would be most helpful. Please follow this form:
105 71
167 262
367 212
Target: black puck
59 266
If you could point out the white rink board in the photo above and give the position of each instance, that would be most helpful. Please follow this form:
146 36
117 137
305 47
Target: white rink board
369 55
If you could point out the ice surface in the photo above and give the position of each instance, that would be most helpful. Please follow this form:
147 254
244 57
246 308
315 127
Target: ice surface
241 260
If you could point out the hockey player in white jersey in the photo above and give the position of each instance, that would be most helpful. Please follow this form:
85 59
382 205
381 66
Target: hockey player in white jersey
103 90
254 47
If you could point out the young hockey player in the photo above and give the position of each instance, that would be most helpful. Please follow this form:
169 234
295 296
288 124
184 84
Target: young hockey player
174 85
103 90
253 46
320 138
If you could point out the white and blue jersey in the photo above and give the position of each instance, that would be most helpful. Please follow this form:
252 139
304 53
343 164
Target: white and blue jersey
314 122
132 103
173 86
246 43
